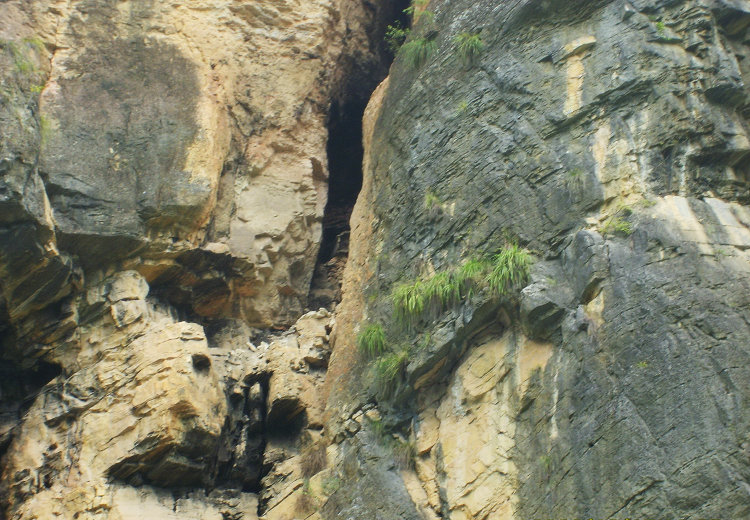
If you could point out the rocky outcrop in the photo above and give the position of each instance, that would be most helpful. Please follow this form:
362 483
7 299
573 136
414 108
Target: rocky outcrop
608 138
185 142
144 405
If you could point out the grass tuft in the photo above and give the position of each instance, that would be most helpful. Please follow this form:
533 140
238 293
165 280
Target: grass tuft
395 36
510 268
470 46
404 453
503 272
417 51
371 341
389 371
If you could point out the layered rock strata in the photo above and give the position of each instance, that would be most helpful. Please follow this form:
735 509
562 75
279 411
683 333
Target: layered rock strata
610 139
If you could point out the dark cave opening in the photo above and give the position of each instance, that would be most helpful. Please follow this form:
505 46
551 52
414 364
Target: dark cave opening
345 152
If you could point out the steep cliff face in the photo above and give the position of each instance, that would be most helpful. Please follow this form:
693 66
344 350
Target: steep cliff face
167 170
610 139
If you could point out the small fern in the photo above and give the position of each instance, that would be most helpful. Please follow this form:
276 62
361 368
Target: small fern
371 341
470 46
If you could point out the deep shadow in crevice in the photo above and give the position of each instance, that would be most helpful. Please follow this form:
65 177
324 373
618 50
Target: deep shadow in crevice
345 152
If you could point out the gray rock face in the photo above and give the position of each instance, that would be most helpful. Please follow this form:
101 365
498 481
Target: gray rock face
610 138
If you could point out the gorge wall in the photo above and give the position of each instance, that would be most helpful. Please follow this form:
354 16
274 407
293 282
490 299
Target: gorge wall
164 183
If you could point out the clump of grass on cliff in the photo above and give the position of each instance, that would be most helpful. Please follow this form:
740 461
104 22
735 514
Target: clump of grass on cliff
306 503
371 341
404 453
510 269
416 52
502 272
469 46
395 36
617 224
389 370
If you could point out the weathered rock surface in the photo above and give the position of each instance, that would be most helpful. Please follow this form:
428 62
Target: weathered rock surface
163 178
187 140
145 408
610 138
164 166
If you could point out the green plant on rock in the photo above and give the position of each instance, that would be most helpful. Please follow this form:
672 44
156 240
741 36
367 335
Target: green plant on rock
616 224
502 272
19 52
395 36
389 369
510 268
416 52
412 300
469 46
371 341
306 502
378 429
471 272
431 202
575 173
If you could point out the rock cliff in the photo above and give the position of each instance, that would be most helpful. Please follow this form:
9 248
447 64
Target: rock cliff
568 178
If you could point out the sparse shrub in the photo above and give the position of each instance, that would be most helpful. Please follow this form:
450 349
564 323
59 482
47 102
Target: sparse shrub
306 503
313 459
575 173
417 51
470 46
378 429
510 268
395 36
660 27
371 341
431 202
20 54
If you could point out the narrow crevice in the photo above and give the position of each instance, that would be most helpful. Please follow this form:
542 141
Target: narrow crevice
345 155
